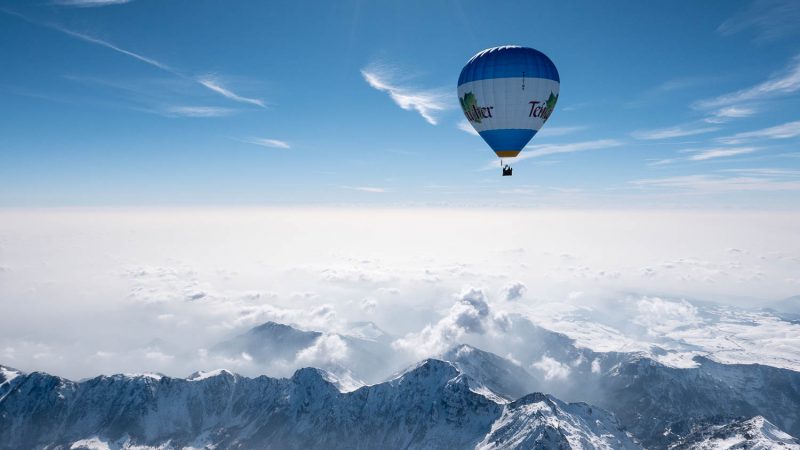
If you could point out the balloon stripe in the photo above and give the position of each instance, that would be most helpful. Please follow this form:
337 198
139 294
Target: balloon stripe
508 62
507 139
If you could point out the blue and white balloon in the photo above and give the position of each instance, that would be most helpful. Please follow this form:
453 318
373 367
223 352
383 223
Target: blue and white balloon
507 93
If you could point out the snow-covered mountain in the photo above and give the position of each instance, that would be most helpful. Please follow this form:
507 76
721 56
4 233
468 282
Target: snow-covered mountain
649 397
756 433
499 375
659 404
542 421
433 405
7 377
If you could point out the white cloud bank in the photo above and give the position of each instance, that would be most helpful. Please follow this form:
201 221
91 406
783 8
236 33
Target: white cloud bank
103 291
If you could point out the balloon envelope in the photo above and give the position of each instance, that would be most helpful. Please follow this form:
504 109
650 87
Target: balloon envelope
507 93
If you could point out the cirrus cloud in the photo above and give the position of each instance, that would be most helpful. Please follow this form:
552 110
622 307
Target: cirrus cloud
427 102
783 131
264 142
782 83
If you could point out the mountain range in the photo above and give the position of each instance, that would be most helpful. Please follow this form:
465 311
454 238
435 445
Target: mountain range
463 398
432 405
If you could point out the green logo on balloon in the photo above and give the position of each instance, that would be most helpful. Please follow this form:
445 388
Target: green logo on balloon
543 109
472 111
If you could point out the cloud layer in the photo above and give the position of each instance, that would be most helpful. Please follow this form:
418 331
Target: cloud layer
92 291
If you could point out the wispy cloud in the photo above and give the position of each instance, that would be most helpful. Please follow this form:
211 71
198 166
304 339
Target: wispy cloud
427 102
102 43
784 131
676 84
665 88
721 153
264 142
374 190
214 84
768 19
466 127
207 82
671 132
537 151
559 131
662 162
197 111
89 3
706 154
785 82
726 113
716 183
766 171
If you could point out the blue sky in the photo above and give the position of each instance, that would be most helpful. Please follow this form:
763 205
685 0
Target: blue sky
144 102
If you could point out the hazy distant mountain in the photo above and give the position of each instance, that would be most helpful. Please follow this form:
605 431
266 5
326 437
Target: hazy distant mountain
788 308
366 355
269 341
433 405
368 331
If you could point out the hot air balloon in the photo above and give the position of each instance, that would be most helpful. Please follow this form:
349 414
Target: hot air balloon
507 93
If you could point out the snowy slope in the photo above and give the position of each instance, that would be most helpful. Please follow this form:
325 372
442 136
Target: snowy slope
675 331
433 405
469 395
499 375
544 422
754 434
7 377
649 397
658 403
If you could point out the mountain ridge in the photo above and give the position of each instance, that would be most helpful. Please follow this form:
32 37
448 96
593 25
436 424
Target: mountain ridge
432 405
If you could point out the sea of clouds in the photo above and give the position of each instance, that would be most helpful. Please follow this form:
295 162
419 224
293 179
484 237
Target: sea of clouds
90 291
